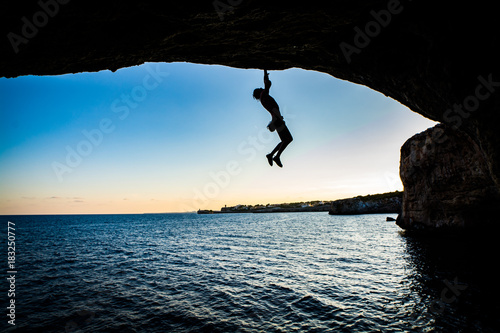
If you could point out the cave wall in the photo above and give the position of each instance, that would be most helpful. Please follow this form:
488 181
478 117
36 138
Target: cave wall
447 183
439 59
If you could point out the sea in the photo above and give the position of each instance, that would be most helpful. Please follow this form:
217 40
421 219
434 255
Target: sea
271 272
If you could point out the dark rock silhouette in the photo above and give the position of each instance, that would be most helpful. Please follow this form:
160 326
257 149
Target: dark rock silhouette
440 60
447 182
318 206
370 204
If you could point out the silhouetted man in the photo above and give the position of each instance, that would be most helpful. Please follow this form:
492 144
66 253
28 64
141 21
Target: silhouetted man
277 123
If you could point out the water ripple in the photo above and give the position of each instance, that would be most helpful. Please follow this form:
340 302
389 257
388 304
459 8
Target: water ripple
234 273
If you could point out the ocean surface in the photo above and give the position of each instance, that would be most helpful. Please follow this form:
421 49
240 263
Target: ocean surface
276 272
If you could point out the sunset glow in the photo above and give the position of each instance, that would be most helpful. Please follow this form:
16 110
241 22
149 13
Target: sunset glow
181 137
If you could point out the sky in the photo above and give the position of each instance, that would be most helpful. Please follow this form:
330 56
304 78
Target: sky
177 137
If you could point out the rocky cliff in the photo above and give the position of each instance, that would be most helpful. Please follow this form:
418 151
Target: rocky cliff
439 59
371 204
447 182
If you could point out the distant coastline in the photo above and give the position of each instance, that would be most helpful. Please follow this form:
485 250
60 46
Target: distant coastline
355 205
310 206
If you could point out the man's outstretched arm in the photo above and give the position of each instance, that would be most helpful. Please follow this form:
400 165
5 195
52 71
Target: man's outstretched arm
267 83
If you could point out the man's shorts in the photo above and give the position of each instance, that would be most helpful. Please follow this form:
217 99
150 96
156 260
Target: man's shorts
282 130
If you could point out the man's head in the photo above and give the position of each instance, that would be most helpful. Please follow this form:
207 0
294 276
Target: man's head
257 92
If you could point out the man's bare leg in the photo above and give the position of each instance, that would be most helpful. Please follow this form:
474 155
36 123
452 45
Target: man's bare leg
281 148
271 154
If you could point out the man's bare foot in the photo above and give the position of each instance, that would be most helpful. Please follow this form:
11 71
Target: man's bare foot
278 162
270 159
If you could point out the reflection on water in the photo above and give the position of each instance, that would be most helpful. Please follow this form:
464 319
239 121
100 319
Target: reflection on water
455 278
283 272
